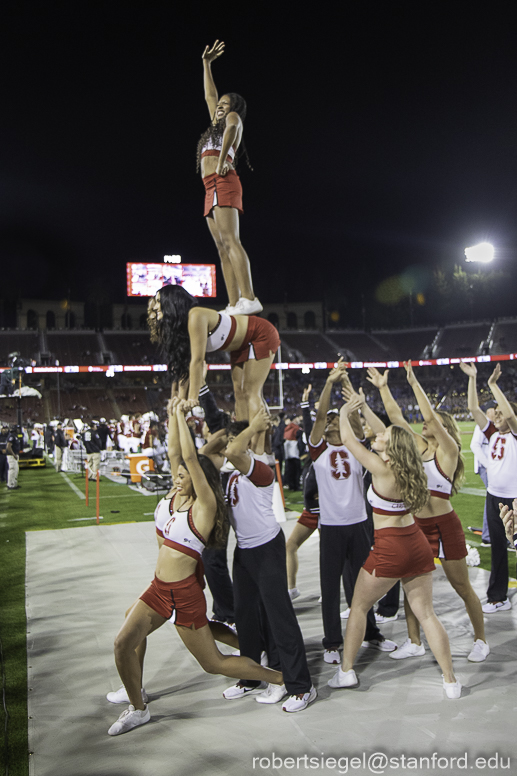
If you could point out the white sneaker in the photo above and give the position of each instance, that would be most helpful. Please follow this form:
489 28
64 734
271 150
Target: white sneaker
408 649
332 656
248 306
301 701
293 593
129 719
381 618
274 693
480 651
345 614
239 691
121 696
496 606
383 645
229 309
452 690
343 679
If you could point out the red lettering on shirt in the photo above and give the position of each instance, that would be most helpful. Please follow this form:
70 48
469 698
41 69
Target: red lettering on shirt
498 449
233 494
339 466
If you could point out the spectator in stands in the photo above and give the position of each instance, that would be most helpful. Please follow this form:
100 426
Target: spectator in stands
92 443
502 482
60 443
4 434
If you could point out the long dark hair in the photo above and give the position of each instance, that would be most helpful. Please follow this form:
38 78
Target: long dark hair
219 532
171 332
216 129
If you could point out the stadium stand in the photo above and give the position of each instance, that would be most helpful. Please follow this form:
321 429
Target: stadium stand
26 343
504 338
73 347
306 346
130 347
403 344
461 340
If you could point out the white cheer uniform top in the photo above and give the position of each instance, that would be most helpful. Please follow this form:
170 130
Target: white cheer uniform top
250 498
340 484
223 334
438 484
385 506
161 515
502 462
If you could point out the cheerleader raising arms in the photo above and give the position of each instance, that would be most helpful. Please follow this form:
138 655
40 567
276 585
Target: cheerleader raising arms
400 551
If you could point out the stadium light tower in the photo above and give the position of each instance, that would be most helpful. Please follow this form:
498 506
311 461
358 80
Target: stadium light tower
483 253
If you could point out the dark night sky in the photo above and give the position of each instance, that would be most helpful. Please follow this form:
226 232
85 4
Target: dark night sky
382 135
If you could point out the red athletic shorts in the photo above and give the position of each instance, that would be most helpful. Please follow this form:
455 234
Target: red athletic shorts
445 535
224 191
308 519
261 339
399 552
185 598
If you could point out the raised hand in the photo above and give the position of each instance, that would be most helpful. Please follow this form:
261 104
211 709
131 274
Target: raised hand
468 368
306 392
409 373
494 377
209 54
336 374
352 405
375 377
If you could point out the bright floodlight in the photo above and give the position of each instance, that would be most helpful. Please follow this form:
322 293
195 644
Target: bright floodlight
483 252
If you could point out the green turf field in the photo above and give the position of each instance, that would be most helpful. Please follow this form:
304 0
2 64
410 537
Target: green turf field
45 501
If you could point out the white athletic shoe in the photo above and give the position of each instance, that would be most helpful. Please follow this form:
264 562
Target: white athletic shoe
239 691
301 701
480 651
248 306
129 719
274 693
121 696
332 656
408 649
496 606
345 614
452 690
383 645
381 618
229 309
293 593
343 679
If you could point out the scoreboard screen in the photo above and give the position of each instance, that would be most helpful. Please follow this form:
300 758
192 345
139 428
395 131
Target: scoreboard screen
145 279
